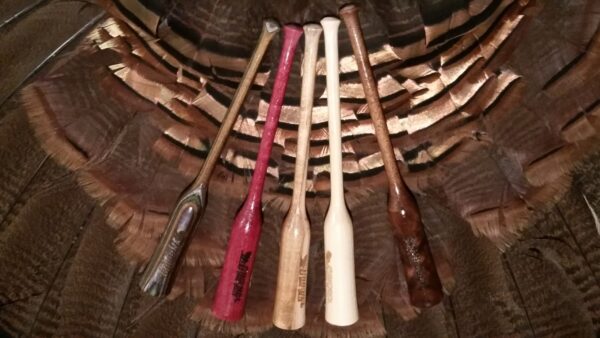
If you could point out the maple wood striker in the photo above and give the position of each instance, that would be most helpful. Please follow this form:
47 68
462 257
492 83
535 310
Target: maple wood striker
419 268
192 203
232 290
340 290
290 298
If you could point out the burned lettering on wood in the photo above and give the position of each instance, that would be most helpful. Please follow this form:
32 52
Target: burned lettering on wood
302 281
240 277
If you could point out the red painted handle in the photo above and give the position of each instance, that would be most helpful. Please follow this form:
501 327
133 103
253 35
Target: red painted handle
232 290
230 299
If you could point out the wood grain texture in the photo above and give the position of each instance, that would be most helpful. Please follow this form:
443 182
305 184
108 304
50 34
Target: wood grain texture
403 213
289 310
190 207
236 274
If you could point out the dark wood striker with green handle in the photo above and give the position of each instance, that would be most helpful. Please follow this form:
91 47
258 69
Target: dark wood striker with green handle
191 205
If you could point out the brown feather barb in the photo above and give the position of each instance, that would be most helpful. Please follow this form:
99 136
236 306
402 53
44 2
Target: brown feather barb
190 207
419 268
492 104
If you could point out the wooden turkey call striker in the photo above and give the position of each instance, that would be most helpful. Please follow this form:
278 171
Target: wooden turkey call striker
289 312
191 205
419 268
232 290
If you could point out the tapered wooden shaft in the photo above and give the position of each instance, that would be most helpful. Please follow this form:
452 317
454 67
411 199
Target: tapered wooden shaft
232 289
340 301
191 205
290 296
419 268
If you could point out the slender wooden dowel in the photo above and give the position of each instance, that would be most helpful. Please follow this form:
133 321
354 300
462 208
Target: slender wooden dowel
419 268
340 306
191 205
232 289
290 296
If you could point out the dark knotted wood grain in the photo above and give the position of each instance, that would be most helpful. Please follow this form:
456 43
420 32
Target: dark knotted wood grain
419 268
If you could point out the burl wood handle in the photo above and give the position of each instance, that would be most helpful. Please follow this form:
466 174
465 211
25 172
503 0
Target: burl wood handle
191 205
232 289
424 285
340 304
419 268
290 297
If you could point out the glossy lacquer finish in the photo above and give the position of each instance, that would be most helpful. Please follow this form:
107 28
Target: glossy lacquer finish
340 290
191 205
289 312
419 268
232 290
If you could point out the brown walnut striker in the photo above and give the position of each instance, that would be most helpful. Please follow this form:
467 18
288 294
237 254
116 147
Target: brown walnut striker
419 268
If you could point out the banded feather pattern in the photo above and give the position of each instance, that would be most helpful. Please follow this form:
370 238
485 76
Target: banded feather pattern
492 107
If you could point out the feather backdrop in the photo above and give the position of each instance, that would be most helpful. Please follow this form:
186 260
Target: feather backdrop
107 111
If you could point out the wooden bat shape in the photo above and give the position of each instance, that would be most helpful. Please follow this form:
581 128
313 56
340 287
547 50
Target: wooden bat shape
190 207
340 307
419 268
290 297
232 290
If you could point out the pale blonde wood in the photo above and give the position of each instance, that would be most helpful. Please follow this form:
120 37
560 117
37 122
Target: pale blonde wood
290 297
340 306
